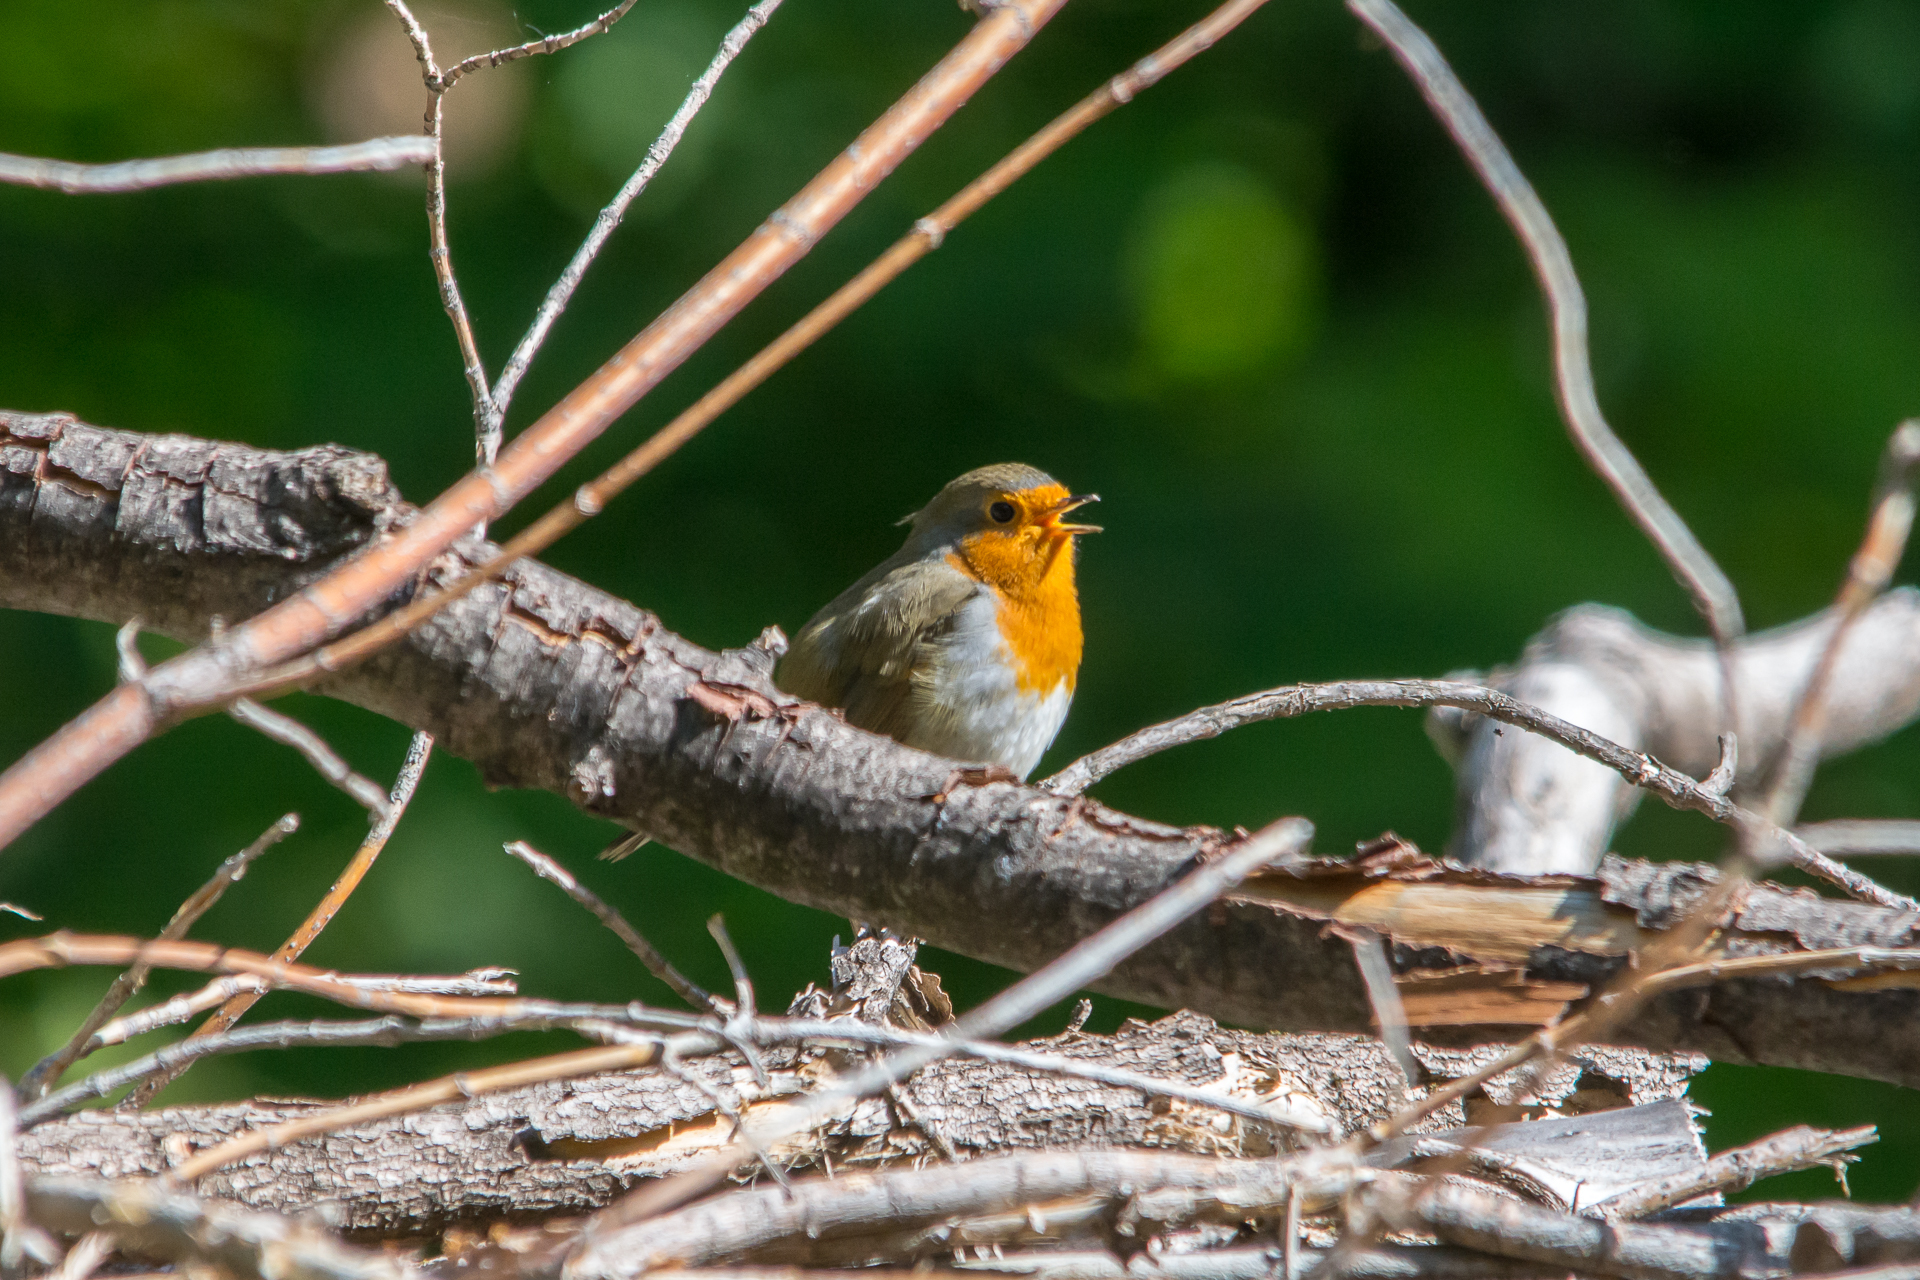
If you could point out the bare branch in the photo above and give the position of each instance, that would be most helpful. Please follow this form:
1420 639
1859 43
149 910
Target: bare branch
47 1072
1638 768
610 217
325 760
214 166
1736 1170
1712 593
1868 574
404 785
545 44
547 869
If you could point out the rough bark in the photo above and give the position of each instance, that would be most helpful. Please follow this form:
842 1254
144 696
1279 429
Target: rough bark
573 1146
547 683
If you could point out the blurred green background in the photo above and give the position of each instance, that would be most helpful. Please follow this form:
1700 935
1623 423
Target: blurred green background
1264 310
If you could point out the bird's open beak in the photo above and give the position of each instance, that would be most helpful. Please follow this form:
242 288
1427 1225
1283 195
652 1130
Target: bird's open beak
1077 501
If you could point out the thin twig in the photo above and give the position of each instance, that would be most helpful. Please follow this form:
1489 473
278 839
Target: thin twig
1547 252
928 234
1084 963
1638 768
326 762
742 980
609 218
658 965
545 44
1868 573
418 750
438 250
213 166
47 1072
1737 1169
85 1257
212 674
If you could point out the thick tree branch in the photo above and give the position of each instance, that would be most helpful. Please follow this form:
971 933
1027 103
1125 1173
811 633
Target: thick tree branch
547 683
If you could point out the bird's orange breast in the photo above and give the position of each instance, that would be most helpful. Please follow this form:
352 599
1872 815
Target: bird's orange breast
1037 607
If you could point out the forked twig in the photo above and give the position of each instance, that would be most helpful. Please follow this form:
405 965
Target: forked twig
609 218
545 44
658 965
213 166
47 1072
418 750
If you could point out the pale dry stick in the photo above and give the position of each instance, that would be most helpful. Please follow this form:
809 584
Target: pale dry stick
1389 1015
1801 1147
326 762
1082 964
1642 770
187 1004
1853 837
47 1072
609 218
411 769
454 1088
1868 574
216 671
545 44
384 1032
20 1239
439 252
1713 595
658 965
928 234
375 154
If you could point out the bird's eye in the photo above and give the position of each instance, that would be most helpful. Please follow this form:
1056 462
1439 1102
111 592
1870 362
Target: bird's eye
1002 512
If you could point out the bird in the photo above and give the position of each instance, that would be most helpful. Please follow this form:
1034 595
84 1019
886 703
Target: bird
965 642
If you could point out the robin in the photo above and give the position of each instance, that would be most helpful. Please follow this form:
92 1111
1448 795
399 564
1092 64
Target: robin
966 641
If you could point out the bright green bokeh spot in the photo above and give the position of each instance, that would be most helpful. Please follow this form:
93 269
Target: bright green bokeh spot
1223 275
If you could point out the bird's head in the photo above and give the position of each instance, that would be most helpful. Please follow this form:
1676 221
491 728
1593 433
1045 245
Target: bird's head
1005 521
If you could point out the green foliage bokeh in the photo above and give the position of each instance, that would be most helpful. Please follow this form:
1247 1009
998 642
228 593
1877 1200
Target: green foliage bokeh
1264 310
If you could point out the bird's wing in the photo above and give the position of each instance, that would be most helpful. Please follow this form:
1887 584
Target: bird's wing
863 651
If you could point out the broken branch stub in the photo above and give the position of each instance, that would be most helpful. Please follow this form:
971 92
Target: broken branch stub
1527 805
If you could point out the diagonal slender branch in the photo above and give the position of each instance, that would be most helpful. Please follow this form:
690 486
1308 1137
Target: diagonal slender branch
609 218
1642 770
205 676
326 762
329 906
49 1069
1800 1147
375 154
547 869
1713 594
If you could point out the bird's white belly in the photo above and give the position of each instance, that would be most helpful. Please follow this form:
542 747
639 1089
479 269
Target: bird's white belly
981 712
